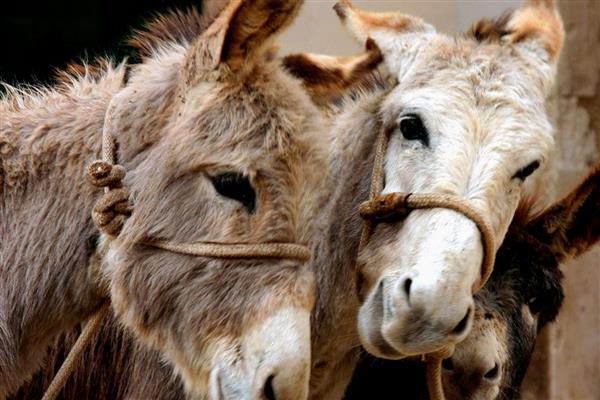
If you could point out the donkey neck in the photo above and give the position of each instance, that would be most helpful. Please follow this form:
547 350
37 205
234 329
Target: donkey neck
334 336
48 240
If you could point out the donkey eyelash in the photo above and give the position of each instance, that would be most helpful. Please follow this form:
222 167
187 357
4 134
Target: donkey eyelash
411 127
526 171
235 186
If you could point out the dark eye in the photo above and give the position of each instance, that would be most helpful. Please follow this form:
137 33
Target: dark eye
523 173
235 186
412 128
534 305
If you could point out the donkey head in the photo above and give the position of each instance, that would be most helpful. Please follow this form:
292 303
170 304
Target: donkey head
466 118
236 159
523 294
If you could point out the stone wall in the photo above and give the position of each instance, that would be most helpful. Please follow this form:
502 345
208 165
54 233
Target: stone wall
566 365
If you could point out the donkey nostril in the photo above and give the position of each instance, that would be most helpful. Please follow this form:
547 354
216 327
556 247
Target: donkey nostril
406 286
448 364
462 325
268 390
492 373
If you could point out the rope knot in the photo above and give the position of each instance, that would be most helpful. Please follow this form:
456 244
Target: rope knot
112 209
104 174
385 207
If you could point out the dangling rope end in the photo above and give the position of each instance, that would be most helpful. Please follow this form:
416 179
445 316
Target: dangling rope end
434 372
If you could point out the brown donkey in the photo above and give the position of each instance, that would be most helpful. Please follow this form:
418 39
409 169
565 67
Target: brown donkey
523 295
219 145
115 367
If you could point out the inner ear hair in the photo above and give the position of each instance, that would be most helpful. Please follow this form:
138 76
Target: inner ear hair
490 30
537 21
571 226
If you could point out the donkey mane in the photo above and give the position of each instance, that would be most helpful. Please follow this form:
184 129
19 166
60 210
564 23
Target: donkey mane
174 27
76 79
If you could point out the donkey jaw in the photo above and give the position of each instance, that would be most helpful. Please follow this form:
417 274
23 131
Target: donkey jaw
272 361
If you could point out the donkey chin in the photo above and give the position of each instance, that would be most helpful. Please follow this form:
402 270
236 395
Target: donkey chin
270 361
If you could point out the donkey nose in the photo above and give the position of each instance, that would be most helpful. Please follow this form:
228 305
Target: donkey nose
268 389
475 374
448 313
281 387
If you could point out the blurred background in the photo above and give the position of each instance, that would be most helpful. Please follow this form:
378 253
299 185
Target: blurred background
38 37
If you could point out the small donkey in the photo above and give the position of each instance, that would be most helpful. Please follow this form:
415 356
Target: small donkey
219 144
522 296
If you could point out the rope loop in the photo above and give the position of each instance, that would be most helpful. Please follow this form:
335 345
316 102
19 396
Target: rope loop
398 205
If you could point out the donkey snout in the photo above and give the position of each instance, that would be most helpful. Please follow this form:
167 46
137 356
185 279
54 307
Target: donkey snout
476 377
406 315
476 368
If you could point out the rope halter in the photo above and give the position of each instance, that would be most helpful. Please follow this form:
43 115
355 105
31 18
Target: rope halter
397 205
109 215
113 208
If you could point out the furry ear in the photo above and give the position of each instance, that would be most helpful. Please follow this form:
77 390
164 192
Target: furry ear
240 33
572 226
536 28
326 77
391 31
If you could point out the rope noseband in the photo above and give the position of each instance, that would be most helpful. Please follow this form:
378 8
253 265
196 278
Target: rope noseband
109 215
381 207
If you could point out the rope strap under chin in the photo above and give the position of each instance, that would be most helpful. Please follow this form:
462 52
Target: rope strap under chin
382 207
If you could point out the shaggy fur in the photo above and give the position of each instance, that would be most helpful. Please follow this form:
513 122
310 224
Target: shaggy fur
523 295
335 249
476 152
195 108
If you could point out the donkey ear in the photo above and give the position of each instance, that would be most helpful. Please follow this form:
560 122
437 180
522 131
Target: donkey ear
240 32
326 77
572 225
536 27
391 31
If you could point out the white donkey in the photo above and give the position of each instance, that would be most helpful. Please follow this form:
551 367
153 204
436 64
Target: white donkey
466 117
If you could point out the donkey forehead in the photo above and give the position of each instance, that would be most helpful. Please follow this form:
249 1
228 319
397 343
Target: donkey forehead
260 117
491 120
473 93
485 72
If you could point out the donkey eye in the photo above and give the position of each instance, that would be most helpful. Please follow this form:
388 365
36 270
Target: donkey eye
235 186
534 305
523 173
412 128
